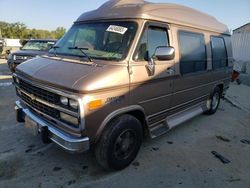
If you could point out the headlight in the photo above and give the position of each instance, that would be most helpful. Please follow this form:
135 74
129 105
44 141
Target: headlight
73 104
69 118
14 57
64 101
69 102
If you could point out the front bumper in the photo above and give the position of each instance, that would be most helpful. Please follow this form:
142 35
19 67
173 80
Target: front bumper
67 142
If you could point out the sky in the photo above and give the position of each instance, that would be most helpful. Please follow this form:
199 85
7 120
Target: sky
49 14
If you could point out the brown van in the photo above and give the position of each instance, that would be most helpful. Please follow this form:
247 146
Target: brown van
124 71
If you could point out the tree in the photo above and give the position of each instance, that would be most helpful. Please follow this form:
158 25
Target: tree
20 30
59 32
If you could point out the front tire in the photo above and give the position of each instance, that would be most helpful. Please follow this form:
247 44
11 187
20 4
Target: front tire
119 143
213 101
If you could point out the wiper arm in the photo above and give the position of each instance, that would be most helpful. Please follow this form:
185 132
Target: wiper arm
54 49
82 50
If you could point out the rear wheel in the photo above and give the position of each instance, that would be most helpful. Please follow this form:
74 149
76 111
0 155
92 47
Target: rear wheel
119 143
213 101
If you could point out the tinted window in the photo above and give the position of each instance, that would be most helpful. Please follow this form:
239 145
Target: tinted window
152 38
219 54
192 51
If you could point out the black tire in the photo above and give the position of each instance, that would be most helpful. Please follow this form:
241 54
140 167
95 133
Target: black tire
122 133
213 101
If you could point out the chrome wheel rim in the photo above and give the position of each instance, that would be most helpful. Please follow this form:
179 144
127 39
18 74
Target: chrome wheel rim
215 100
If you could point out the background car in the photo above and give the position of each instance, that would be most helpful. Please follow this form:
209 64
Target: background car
31 49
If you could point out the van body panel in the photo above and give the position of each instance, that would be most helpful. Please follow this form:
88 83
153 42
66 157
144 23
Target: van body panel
161 82
113 100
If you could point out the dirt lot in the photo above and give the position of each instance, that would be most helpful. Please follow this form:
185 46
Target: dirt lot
181 158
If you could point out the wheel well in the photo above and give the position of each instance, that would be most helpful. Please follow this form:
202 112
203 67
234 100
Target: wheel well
138 114
141 117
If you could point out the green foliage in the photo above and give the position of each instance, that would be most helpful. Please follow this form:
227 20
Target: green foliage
20 30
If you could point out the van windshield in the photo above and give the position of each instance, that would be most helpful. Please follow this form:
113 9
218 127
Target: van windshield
98 40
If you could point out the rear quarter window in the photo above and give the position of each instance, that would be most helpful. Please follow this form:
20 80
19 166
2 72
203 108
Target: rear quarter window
219 53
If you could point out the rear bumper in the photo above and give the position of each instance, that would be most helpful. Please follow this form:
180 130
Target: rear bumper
67 142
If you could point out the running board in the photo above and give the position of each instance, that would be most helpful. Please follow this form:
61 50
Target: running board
183 116
158 130
176 119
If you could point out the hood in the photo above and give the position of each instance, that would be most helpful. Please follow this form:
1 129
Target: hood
57 72
32 53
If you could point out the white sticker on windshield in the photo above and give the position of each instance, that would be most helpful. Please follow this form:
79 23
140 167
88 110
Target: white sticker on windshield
117 29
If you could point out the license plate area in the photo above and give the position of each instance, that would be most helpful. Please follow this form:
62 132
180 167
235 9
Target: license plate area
31 126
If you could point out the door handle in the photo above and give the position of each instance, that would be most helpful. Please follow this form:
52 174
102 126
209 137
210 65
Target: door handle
170 71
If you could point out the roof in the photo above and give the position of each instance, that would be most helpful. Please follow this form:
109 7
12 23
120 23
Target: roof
241 27
167 12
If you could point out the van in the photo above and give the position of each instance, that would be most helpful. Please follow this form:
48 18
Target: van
125 71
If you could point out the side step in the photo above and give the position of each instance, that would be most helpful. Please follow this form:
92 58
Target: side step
183 116
158 130
176 119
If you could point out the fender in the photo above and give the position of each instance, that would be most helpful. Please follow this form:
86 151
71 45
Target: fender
115 114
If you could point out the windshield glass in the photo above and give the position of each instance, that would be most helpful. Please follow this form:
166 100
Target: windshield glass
38 45
99 40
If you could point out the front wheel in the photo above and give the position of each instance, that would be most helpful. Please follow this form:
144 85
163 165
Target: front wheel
119 143
213 101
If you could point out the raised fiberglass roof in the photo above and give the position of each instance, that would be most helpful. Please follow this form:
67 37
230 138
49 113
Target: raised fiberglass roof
166 12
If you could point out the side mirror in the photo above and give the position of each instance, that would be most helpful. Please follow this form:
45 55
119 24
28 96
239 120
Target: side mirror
164 53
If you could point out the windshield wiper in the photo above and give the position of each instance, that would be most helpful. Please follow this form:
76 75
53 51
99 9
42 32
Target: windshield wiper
82 50
54 49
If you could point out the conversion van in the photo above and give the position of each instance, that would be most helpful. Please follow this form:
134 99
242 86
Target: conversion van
125 71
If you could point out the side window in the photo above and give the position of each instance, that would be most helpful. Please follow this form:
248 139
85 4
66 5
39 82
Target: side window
192 52
152 38
219 54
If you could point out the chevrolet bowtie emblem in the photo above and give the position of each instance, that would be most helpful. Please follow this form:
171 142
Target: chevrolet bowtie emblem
33 97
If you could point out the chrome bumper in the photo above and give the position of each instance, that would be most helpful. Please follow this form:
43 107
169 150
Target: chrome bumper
67 142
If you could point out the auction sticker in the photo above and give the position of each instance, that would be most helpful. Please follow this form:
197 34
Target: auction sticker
117 29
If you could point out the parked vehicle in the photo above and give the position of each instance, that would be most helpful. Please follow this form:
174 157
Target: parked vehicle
31 49
127 70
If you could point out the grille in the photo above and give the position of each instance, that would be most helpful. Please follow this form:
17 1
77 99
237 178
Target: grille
38 92
41 94
41 107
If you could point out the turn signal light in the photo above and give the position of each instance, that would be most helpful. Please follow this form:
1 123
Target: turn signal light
92 105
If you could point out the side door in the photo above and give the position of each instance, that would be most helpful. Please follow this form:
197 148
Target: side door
192 82
152 91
